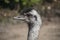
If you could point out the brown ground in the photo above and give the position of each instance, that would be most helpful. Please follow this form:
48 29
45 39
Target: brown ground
48 31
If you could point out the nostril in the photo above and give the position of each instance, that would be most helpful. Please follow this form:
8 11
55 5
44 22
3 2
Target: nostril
19 17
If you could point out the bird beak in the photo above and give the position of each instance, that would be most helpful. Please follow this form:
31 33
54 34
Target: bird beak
19 18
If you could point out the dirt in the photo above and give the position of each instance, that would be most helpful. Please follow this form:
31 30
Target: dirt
48 31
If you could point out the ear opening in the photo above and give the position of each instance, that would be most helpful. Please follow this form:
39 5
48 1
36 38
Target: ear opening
35 18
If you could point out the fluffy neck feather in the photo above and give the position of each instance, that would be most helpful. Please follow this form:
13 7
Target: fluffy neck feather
34 27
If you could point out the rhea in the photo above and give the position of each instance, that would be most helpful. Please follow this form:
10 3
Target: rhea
33 19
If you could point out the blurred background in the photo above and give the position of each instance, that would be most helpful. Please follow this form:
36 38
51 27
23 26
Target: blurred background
11 29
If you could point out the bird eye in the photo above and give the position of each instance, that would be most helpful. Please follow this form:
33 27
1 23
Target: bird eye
29 15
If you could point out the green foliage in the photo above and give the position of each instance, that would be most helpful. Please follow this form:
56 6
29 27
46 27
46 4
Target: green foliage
11 4
16 0
25 2
35 1
6 1
30 2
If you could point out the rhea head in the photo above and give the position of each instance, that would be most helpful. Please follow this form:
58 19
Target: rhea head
28 15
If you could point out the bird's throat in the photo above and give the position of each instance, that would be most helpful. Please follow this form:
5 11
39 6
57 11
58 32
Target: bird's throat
33 31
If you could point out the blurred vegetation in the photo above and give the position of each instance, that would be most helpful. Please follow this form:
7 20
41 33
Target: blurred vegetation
12 4
47 8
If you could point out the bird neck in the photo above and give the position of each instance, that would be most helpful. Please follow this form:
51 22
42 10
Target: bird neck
33 30
31 25
34 27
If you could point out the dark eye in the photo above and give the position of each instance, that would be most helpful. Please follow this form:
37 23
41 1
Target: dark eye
29 15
